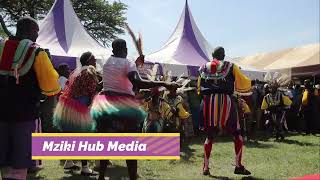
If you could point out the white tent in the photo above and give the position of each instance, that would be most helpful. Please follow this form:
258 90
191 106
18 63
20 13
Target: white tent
63 34
186 48
298 61
251 72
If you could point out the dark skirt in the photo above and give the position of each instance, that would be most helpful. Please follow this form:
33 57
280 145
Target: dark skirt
15 143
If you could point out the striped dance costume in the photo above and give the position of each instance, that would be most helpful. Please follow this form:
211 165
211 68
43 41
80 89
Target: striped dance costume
117 112
216 84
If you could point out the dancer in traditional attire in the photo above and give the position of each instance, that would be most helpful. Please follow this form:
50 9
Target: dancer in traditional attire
174 114
152 105
25 73
72 113
216 84
276 102
116 109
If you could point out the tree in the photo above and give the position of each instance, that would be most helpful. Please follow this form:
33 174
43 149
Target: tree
103 20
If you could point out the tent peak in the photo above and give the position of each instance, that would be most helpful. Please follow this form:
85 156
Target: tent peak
63 33
186 44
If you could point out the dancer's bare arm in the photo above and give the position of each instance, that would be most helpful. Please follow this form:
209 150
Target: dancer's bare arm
137 81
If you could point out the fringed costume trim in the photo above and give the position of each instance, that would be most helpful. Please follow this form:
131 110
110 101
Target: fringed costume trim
120 109
72 116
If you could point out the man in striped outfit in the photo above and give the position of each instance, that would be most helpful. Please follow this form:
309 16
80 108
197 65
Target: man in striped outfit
218 79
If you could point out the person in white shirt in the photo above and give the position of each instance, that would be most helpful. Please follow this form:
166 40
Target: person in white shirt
64 73
116 109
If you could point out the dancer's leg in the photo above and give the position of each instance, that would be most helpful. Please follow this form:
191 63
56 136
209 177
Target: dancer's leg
102 169
235 131
238 147
207 150
132 169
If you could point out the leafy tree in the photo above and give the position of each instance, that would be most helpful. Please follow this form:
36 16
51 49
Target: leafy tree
102 19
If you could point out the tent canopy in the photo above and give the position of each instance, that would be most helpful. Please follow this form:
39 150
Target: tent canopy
299 61
186 46
63 34
307 55
187 49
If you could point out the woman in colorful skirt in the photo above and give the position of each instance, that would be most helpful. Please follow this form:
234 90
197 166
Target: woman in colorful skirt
216 84
116 109
72 113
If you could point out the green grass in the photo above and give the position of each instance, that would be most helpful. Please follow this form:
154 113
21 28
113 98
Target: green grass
295 156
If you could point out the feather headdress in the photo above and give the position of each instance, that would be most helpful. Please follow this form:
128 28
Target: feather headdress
168 78
152 74
137 42
277 79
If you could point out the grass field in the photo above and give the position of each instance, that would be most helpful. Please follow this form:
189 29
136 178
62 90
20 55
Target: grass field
266 158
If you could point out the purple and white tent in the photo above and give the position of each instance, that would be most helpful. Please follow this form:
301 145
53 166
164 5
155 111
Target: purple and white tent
63 34
185 50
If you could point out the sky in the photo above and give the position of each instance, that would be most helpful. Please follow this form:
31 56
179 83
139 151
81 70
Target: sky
243 27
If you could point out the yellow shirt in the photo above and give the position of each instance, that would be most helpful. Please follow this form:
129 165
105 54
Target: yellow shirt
285 99
242 82
46 75
305 96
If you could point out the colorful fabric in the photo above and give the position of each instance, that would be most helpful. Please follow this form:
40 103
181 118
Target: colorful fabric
20 56
222 77
216 110
217 82
215 69
72 113
21 80
17 57
122 112
84 84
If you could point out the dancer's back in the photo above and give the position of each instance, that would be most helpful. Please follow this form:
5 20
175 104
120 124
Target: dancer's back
115 77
